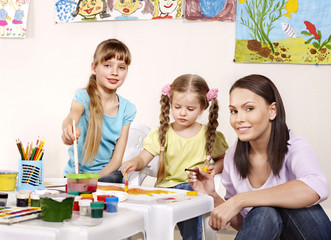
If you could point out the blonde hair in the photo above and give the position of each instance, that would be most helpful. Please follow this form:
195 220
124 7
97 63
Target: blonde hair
108 49
198 86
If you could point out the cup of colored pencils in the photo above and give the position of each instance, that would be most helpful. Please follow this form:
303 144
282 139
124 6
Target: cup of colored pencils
30 152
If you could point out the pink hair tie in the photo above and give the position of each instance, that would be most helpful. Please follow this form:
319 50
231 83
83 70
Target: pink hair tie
162 149
166 90
211 94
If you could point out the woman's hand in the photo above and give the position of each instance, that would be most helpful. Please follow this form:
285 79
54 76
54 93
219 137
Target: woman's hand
201 181
221 215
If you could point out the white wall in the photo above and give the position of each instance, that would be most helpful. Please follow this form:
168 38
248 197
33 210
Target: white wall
39 75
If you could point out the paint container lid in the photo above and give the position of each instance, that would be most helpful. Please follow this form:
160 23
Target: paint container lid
111 199
102 198
76 193
8 172
192 193
82 175
97 204
3 195
22 196
34 196
77 198
87 195
85 202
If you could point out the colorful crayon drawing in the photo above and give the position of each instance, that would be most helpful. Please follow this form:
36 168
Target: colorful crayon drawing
13 18
134 191
102 10
167 9
210 10
283 31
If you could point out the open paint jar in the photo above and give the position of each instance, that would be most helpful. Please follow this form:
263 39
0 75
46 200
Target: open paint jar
3 199
82 182
56 208
111 203
7 180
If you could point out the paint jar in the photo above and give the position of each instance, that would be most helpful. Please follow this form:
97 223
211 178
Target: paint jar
75 207
35 200
22 199
56 208
3 199
75 193
82 182
97 209
191 193
102 198
111 203
84 207
7 180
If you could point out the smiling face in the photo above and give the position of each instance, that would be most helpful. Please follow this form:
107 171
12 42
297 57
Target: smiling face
127 7
250 115
185 108
110 74
3 3
90 8
167 6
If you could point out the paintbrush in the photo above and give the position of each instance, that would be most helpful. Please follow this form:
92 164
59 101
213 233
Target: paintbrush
75 147
126 182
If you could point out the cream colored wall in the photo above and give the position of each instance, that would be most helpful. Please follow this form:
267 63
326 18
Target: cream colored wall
39 75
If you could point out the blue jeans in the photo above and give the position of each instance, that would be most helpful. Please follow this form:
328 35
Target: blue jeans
190 229
114 177
267 223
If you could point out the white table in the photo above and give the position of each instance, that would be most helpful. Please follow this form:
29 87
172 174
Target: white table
114 226
161 216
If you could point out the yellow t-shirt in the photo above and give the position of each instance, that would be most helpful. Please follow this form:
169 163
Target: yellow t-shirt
181 153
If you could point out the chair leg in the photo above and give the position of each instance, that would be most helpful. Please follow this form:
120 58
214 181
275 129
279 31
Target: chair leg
209 233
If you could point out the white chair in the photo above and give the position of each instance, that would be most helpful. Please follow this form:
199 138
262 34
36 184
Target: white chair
134 146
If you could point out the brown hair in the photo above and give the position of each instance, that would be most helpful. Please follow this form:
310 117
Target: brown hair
197 85
277 145
108 49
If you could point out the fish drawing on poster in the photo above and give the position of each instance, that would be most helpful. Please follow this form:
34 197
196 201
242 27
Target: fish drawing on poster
102 10
210 10
283 31
13 18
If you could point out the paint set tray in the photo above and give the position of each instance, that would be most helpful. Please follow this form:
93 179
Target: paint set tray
31 175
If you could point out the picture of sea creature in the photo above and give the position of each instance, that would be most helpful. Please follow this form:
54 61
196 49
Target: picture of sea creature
312 29
291 6
288 30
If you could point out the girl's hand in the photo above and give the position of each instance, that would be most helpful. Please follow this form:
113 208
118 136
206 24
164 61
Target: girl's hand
68 137
201 181
129 166
222 214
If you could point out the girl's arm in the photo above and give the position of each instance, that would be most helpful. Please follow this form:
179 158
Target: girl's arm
293 194
137 163
75 113
116 160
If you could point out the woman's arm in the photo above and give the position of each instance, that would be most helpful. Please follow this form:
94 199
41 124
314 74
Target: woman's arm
116 160
75 113
293 194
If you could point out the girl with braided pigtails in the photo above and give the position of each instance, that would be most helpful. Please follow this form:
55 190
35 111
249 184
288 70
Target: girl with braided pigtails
184 143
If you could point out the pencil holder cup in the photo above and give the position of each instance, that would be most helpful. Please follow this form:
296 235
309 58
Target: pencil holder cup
31 175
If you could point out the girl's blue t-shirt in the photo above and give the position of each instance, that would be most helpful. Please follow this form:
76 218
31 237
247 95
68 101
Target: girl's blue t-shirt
111 131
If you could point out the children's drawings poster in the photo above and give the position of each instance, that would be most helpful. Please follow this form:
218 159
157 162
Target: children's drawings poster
210 10
283 31
103 10
13 18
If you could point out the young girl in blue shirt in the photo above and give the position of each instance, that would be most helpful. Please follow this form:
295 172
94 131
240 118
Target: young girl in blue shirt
102 115
184 143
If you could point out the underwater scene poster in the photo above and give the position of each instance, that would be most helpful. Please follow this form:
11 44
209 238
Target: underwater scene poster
67 11
210 10
283 31
13 18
